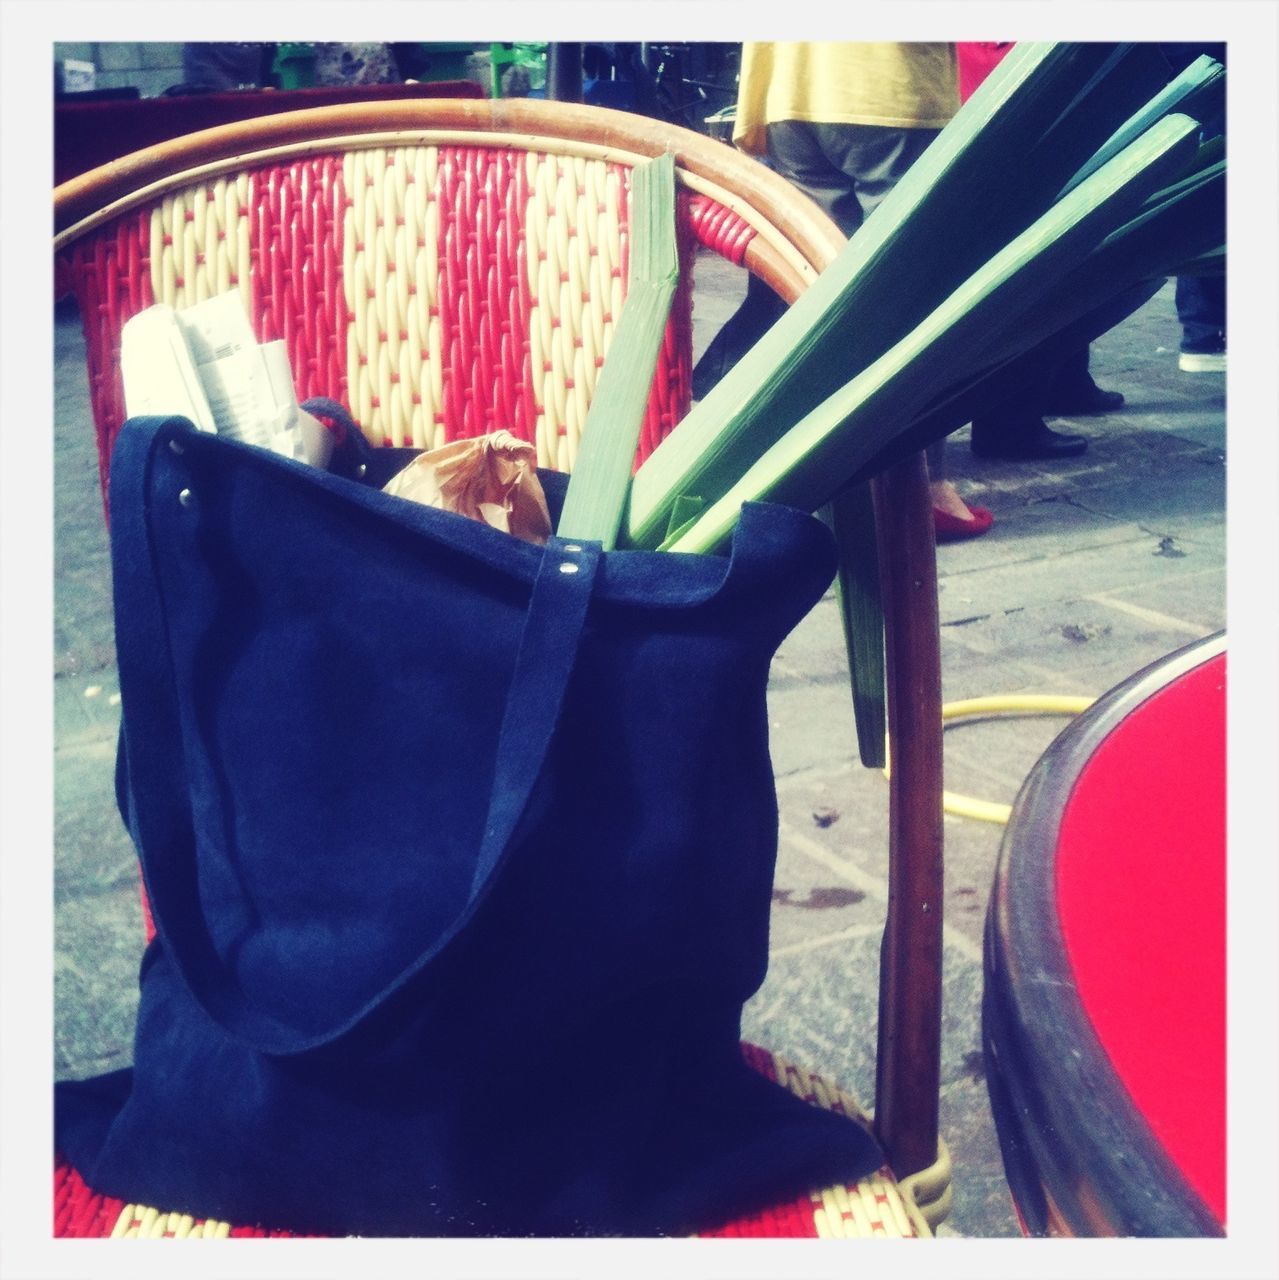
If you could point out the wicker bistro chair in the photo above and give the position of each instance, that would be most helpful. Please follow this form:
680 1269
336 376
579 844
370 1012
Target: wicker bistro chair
444 268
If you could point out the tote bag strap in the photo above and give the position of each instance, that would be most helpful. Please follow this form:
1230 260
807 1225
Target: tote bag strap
158 800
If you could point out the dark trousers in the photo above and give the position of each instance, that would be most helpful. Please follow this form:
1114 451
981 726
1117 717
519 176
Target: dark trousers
1052 365
1201 308
847 169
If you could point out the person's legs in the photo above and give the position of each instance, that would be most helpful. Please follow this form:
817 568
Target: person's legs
1201 309
953 518
812 157
1201 306
1014 426
873 158
849 169
758 312
1073 392
1201 300
793 152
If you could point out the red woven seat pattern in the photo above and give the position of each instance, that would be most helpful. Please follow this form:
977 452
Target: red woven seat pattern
110 277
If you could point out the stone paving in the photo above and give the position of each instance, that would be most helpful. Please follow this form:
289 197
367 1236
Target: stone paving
1094 568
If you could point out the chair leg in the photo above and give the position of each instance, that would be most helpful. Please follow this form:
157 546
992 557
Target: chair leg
908 1072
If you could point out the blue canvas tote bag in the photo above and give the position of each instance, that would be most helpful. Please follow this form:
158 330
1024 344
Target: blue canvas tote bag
460 854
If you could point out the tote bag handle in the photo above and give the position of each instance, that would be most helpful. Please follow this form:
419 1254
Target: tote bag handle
156 794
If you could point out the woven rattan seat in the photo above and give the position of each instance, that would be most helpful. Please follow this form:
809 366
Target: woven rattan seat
444 268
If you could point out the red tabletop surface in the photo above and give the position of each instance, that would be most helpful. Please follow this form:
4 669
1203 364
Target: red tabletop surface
1141 885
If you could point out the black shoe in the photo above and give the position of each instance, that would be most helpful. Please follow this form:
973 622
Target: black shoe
1024 441
1081 398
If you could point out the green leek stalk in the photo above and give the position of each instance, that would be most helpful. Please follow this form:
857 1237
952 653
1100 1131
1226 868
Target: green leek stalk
851 516
826 448
1175 221
944 219
601 477
1169 236
1064 139
1204 264
1197 90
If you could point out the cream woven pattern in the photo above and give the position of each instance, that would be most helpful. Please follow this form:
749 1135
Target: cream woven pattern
396 349
871 1207
138 1222
391 275
200 243
573 232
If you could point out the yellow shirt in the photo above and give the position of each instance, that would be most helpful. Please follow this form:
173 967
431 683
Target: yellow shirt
898 86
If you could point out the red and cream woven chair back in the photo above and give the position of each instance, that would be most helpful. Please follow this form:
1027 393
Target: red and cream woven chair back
444 268
439 278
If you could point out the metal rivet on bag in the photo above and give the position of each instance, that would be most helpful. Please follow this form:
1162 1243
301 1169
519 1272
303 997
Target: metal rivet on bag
361 470
568 568
185 497
176 446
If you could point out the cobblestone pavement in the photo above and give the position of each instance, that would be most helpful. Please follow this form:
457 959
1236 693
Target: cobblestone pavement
1094 567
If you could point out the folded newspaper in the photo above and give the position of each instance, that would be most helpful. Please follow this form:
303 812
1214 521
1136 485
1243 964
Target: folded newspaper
205 363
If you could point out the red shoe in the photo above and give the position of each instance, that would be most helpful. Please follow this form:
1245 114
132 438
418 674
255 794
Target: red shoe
952 528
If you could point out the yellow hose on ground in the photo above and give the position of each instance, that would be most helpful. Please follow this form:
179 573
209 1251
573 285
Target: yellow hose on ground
1013 704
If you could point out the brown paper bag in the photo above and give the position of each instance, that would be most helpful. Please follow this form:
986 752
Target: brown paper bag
491 478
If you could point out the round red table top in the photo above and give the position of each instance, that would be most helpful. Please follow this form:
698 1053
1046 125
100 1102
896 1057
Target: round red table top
1141 887
1104 1004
